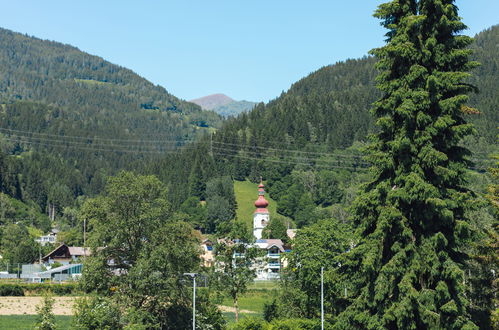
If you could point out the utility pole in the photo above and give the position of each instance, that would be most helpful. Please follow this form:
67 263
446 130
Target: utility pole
193 275
84 238
322 298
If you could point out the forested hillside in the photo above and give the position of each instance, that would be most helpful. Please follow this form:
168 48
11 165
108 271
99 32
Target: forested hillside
71 119
96 95
331 106
308 143
234 108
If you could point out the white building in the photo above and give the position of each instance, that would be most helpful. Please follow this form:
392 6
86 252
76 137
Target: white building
270 265
51 238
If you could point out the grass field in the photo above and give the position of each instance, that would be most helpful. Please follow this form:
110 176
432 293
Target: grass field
27 322
251 301
246 195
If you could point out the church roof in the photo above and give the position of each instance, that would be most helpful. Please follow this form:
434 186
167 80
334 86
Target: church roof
261 203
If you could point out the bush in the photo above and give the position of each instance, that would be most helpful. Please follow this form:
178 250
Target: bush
96 313
297 324
270 311
251 323
21 289
45 319
9 289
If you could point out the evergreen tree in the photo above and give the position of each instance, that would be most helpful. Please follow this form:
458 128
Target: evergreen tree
406 272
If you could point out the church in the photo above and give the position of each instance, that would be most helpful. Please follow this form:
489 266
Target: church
261 217
270 267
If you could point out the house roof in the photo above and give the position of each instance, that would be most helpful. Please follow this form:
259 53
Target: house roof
268 243
75 251
79 251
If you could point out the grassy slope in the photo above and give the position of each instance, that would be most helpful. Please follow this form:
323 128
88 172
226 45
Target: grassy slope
246 195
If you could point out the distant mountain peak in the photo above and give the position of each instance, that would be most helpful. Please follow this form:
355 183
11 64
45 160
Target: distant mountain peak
223 105
212 101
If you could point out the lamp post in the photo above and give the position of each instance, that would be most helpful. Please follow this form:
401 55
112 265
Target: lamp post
193 275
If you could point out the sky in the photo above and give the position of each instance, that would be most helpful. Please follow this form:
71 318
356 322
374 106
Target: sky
248 50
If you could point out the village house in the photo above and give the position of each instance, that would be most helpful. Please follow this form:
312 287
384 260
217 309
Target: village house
270 265
50 238
64 254
207 257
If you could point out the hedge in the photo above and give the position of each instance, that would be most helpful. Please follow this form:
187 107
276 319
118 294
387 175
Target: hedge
253 323
21 289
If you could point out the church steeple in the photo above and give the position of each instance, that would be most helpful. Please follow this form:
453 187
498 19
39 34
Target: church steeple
261 215
261 203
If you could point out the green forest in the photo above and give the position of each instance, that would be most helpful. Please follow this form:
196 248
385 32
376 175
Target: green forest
386 166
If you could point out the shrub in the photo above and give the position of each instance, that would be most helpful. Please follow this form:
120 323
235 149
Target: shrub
297 324
9 289
22 289
45 319
250 323
96 313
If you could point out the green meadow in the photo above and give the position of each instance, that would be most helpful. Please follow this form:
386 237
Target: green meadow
27 322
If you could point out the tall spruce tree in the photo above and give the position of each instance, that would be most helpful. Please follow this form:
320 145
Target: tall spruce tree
407 270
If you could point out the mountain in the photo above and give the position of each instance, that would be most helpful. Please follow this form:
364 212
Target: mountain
331 106
223 105
95 97
234 108
69 119
210 102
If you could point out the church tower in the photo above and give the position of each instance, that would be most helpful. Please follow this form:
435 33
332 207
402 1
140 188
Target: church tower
261 216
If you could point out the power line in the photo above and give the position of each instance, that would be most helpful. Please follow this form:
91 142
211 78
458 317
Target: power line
290 162
90 137
90 148
286 150
62 140
303 159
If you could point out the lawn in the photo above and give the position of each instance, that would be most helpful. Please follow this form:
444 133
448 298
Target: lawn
253 300
28 322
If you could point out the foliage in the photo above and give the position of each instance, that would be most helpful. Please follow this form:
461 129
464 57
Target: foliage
218 212
10 289
270 311
45 315
233 269
96 275
195 211
316 246
126 216
407 270
276 228
96 313
234 108
146 277
21 289
251 323
18 247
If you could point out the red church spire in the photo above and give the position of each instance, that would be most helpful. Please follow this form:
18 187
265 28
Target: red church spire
261 203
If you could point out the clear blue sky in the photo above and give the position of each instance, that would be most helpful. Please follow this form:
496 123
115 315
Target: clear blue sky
249 50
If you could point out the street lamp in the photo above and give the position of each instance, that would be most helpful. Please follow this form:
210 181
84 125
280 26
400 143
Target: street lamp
193 275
